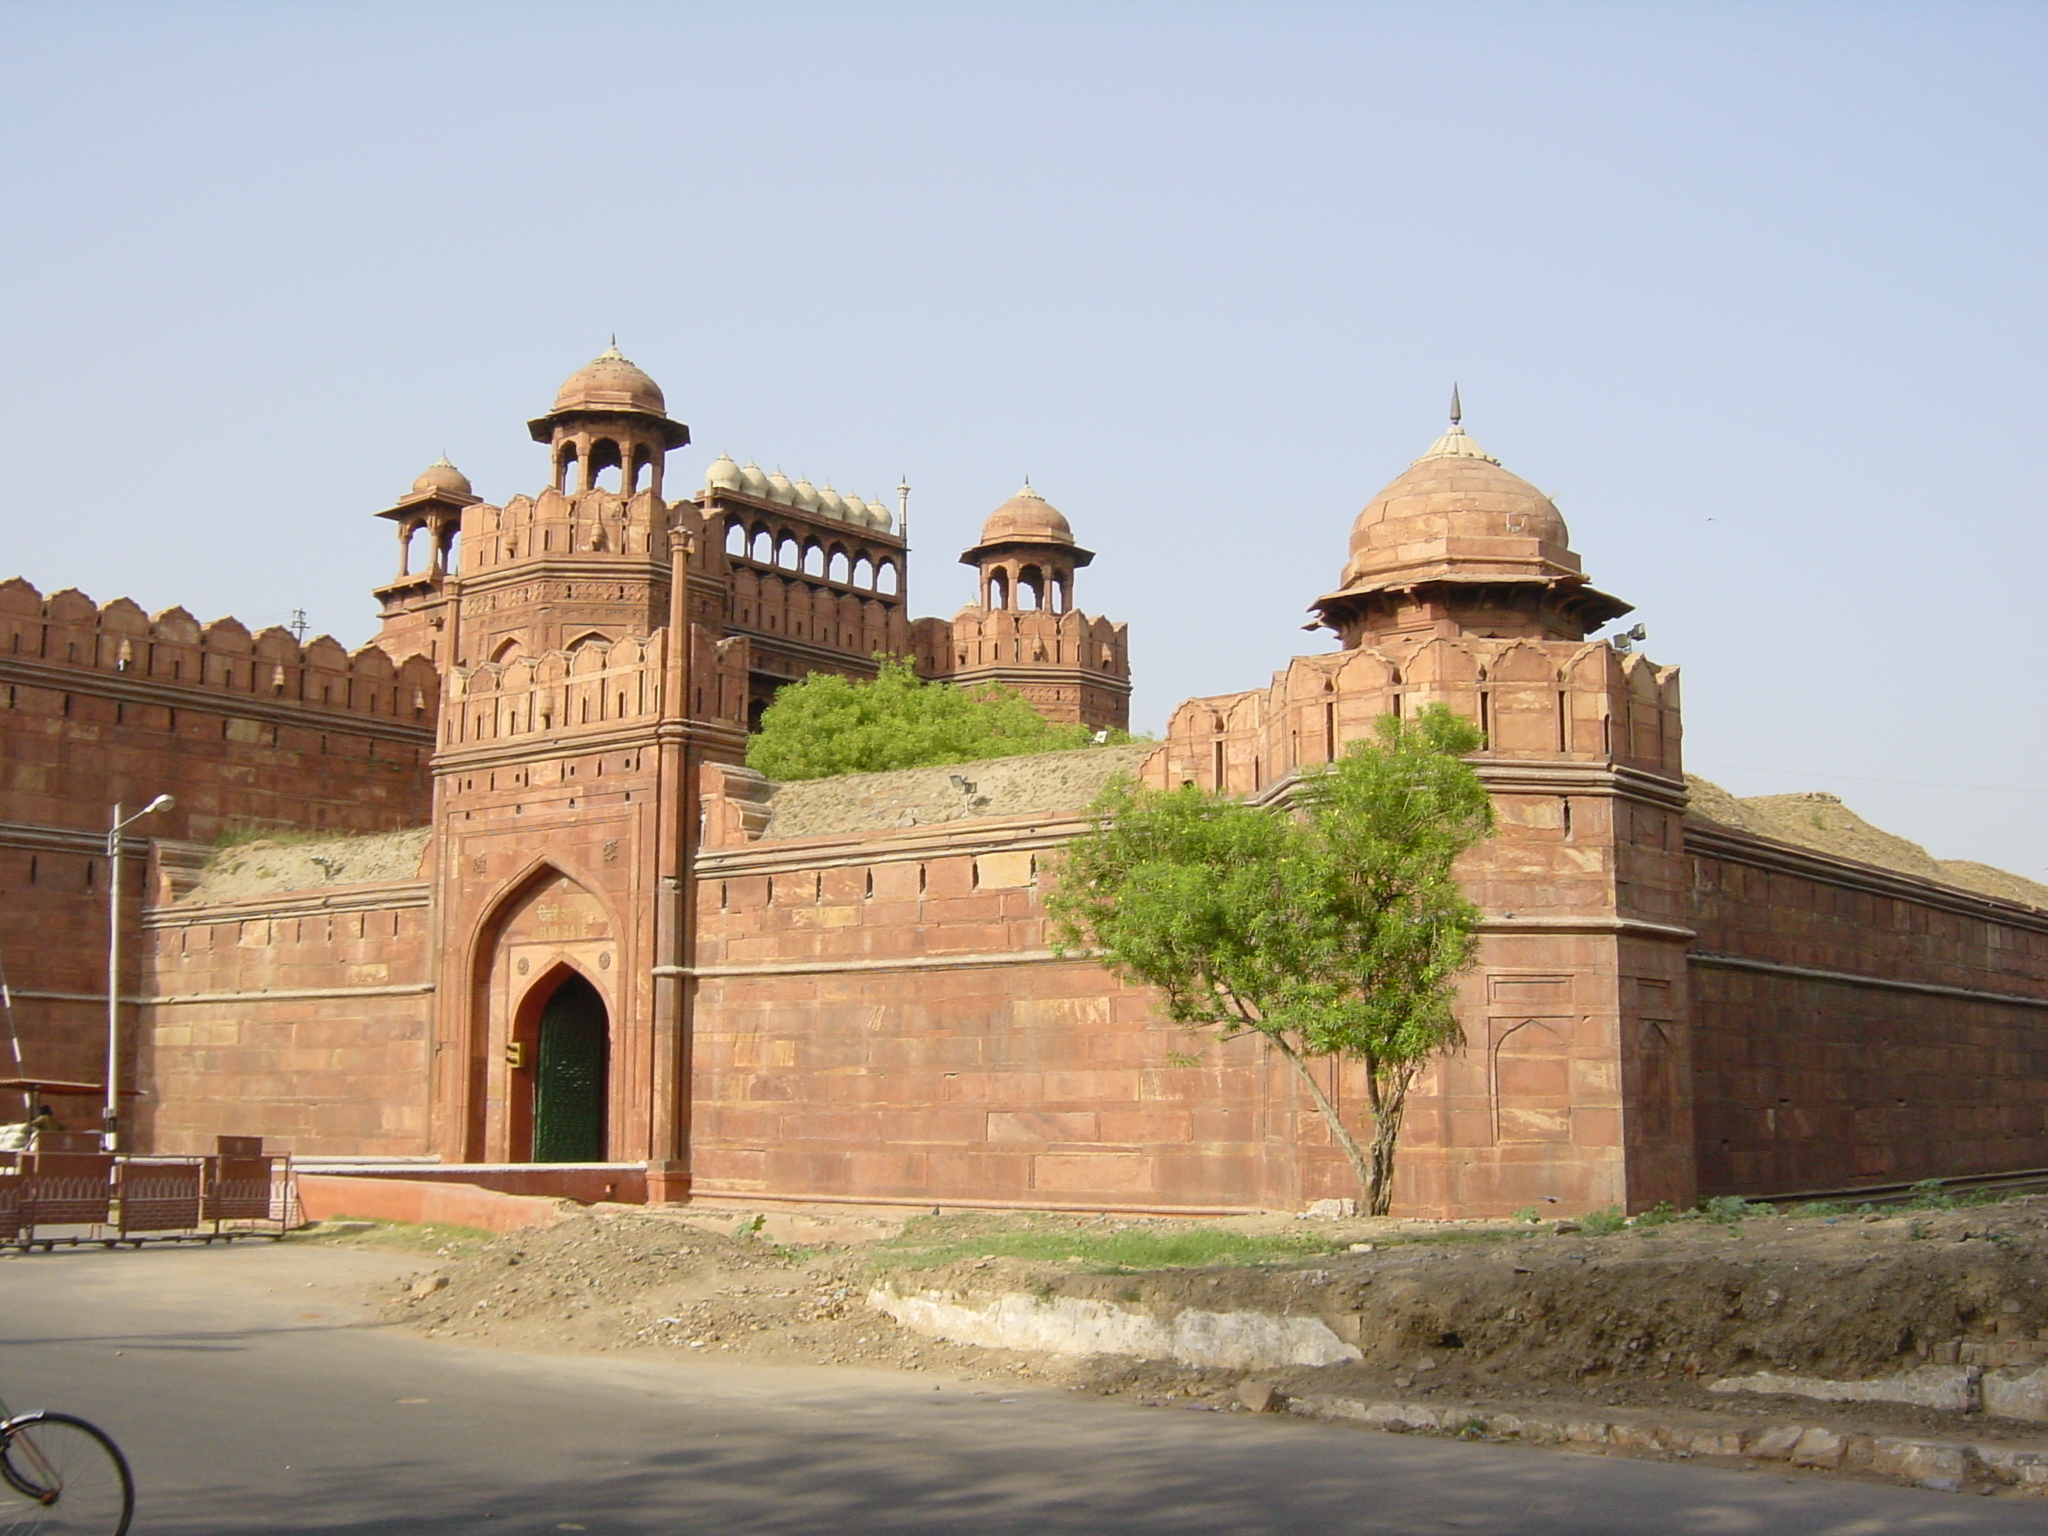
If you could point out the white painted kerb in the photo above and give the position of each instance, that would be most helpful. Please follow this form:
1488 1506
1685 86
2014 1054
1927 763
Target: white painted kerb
1065 1325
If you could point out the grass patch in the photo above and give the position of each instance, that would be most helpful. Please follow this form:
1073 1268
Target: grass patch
929 1242
1603 1223
438 1239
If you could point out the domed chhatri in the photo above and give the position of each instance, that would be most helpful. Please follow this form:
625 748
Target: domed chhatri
610 386
1456 543
1027 517
441 478
1456 506
1027 555
610 382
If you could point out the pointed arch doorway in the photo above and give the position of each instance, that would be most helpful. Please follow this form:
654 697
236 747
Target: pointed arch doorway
571 1075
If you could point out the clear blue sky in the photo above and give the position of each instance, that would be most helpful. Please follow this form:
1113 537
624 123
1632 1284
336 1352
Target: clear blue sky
1756 291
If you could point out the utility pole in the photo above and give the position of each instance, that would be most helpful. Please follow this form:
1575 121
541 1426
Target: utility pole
110 1123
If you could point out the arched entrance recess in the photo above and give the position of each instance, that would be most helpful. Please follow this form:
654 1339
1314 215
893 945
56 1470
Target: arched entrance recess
571 1075
543 1040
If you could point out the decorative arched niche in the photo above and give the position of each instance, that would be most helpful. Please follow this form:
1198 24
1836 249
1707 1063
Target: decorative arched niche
546 931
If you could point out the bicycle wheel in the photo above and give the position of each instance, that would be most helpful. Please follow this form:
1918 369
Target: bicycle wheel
63 1478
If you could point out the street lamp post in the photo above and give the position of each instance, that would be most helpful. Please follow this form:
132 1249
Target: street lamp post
110 1124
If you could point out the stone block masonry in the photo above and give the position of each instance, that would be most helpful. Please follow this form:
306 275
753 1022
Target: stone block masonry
101 703
613 946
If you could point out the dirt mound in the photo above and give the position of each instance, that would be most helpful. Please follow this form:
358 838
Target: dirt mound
1039 782
1844 1297
612 1282
1648 1315
261 867
1820 821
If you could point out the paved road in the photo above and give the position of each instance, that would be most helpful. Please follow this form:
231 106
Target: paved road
251 1400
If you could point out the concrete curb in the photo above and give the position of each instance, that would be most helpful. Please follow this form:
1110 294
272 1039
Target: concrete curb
1947 1465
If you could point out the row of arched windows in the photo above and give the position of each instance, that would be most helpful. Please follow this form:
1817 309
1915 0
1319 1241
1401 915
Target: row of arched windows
1027 587
811 558
603 467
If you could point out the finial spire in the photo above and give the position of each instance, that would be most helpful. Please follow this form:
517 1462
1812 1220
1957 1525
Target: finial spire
1457 410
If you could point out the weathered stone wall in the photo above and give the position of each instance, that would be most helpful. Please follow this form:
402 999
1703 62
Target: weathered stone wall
102 703
878 1013
1853 1025
298 1013
882 1018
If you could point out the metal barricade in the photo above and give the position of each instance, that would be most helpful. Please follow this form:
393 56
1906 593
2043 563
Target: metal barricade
159 1196
74 1197
13 1207
243 1192
69 1189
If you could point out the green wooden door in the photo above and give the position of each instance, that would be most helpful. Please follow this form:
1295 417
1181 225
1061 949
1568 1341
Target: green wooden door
571 1076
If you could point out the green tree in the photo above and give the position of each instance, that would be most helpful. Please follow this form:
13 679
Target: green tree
1333 929
827 725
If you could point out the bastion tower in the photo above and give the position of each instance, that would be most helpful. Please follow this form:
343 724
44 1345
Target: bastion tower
1024 632
1461 589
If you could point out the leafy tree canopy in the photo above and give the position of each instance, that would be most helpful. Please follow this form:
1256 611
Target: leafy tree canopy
827 725
1333 929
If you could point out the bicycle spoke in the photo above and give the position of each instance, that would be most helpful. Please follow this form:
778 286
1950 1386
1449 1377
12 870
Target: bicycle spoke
59 1476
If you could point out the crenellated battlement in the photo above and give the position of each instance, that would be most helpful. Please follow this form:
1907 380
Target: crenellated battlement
1004 637
69 630
596 684
589 523
1535 700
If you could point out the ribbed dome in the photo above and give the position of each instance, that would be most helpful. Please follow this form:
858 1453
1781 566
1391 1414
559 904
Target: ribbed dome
442 478
609 382
722 474
1029 517
1455 510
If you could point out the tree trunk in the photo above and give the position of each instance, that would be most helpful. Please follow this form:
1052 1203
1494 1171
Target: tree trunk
1390 1099
1335 1121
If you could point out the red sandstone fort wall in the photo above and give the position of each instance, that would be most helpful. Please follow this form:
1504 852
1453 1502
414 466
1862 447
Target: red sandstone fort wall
1857 1026
882 1016
102 703
301 1018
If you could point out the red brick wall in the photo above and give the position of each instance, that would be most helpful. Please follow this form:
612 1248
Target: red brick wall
1816 1081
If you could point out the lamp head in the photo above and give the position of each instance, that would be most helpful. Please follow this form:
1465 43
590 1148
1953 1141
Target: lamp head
160 803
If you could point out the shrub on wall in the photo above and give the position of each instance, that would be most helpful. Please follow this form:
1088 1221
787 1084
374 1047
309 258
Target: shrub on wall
827 725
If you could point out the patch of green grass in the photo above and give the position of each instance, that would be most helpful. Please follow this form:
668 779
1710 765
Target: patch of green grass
1729 1209
928 1242
437 1239
1603 1223
1817 1208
